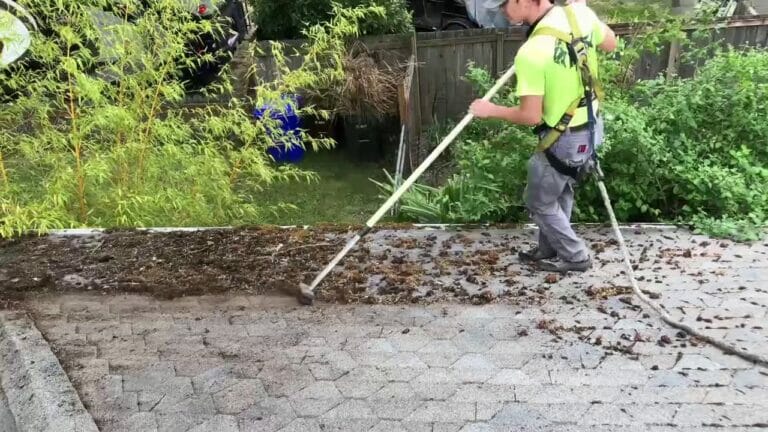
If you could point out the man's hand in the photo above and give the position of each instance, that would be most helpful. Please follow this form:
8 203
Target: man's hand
610 42
483 109
528 113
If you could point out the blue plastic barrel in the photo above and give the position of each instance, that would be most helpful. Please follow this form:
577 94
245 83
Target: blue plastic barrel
289 147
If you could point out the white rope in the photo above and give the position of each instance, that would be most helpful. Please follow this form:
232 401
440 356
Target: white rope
730 349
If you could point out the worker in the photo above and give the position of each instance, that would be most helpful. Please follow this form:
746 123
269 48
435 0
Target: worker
551 87
15 26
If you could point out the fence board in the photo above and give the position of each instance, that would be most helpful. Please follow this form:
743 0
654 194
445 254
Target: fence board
412 119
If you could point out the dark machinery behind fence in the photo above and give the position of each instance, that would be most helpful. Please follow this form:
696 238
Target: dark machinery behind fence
435 15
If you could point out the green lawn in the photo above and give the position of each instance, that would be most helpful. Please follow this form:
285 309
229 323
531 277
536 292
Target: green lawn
343 194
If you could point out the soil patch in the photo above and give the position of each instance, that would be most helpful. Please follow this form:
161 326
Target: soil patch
391 265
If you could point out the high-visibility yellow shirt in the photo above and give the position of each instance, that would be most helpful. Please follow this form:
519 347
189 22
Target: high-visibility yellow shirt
543 66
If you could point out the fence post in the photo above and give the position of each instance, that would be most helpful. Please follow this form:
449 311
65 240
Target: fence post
415 123
674 59
499 53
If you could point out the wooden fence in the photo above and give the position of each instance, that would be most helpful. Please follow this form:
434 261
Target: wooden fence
443 59
439 91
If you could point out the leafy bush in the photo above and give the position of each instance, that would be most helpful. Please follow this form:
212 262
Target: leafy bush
623 11
79 148
681 150
697 148
713 131
287 20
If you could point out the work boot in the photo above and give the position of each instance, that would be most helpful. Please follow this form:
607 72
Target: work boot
565 266
535 255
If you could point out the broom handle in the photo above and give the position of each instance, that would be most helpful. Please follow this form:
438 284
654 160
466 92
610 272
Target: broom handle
436 152
408 183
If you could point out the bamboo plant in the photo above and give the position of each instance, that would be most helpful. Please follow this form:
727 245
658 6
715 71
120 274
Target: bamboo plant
94 131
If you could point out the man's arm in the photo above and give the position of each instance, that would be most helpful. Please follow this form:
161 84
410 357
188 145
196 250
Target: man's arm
527 114
531 85
610 42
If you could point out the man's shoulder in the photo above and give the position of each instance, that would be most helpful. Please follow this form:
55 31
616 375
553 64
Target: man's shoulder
536 48
558 19
583 9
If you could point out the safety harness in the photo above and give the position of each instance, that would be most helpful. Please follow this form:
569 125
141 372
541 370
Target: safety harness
578 52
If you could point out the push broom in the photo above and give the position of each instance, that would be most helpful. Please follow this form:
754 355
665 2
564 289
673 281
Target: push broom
306 293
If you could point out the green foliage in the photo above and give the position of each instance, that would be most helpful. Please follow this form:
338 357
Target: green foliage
288 19
89 143
697 148
617 70
688 151
623 11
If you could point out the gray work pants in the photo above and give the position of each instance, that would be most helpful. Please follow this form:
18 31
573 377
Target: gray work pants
549 195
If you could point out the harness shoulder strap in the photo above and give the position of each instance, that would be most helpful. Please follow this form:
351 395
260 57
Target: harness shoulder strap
579 53
573 22
550 31
579 43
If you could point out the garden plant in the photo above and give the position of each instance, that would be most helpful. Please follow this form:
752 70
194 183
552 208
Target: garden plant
89 143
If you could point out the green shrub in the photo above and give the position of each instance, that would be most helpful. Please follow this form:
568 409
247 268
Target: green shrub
689 151
696 146
81 148
622 11
287 19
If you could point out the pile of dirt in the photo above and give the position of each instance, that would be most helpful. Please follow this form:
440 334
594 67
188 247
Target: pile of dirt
388 269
